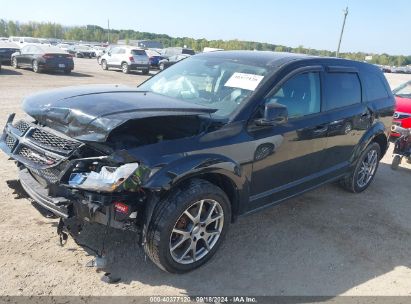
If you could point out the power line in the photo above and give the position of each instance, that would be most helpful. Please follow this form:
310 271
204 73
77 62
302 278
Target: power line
342 31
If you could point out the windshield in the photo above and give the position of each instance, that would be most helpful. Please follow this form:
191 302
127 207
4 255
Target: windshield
212 82
403 90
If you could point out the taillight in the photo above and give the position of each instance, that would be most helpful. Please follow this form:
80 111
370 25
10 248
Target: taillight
48 56
131 59
121 208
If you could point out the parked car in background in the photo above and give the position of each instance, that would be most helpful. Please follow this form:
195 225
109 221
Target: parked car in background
126 58
154 57
105 51
402 115
99 50
172 51
166 62
41 57
6 50
81 51
24 40
183 156
64 46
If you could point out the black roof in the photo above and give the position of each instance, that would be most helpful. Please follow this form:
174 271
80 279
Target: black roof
263 58
277 59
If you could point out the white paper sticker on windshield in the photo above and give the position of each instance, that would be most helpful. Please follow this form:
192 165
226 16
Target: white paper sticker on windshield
244 81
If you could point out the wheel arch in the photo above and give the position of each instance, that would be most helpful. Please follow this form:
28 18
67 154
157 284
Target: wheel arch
382 140
374 134
216 169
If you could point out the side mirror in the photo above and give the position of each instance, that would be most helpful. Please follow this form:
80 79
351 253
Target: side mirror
274 114
109 53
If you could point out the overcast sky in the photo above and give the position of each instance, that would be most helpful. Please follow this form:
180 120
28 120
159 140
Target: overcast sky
372 26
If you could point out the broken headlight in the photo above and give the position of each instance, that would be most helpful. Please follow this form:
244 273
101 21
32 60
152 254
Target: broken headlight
108 179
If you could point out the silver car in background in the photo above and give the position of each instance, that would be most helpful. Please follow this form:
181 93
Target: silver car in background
126 58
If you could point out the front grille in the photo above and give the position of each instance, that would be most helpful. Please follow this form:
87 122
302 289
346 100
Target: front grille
50 140
50 175
10 142
22 126
36 157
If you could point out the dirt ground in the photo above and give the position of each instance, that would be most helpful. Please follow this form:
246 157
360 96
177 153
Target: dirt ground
326 242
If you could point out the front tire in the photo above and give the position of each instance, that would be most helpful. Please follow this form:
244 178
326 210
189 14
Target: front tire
396 162
364 171
188 226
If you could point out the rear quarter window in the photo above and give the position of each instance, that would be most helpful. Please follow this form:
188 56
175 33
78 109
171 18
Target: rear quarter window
341 90
374 86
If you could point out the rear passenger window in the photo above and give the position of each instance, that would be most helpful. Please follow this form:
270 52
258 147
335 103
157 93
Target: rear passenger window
374 86
341 89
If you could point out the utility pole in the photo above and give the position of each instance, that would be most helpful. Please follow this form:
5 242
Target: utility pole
108 31
342 31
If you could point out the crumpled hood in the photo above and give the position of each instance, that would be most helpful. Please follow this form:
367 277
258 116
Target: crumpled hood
90 113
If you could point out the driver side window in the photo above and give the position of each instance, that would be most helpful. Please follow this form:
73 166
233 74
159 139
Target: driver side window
301 95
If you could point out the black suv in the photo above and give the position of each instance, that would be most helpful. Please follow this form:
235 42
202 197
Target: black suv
214 137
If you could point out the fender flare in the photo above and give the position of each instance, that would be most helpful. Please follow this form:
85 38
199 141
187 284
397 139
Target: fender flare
194 165
376 130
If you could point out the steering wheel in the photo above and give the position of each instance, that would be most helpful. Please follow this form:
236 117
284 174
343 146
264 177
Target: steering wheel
192 88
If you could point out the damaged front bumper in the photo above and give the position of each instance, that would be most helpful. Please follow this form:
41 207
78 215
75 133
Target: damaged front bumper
43 157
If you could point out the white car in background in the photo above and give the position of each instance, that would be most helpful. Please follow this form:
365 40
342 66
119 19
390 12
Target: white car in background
126 58
24 40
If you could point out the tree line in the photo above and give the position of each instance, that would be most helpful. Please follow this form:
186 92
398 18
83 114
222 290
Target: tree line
96 33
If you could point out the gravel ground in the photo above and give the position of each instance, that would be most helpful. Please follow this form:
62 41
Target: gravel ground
326 242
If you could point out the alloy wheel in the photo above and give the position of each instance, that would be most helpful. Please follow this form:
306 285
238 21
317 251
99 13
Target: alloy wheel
367 169
196 232
35 66
14 63
124 68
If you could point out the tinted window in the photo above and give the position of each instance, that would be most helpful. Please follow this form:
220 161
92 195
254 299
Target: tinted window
188 51
138 52
301 95
341 89
374 86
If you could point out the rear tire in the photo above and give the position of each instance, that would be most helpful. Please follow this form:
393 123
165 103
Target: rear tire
35 66
14 63
396 162
187 226
364 171
104 65
125 68
145 72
